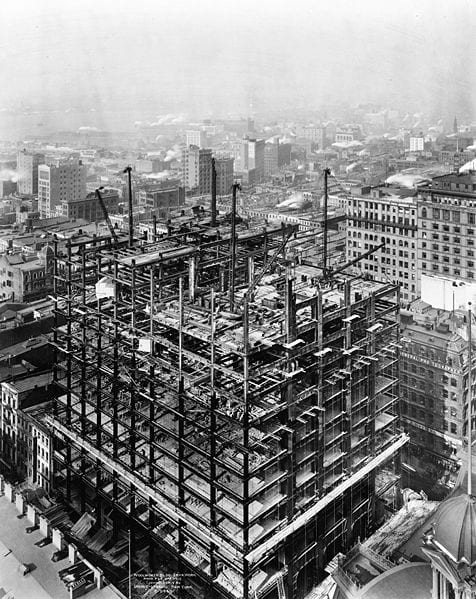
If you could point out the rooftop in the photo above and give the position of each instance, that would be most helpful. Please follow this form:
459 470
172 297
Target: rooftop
17 547
38 380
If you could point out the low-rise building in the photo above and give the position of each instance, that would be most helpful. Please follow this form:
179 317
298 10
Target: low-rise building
162 198
17 397
26 278
89 208
39 441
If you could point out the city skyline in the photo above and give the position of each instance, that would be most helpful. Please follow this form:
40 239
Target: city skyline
113 63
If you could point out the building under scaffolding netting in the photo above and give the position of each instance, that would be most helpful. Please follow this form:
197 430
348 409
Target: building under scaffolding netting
233 410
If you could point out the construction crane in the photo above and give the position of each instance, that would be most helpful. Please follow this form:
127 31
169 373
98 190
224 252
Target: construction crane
106 214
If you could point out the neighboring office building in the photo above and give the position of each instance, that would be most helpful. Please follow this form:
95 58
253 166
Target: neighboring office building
224 167
64 181
447 228
433 386
27 170
379 214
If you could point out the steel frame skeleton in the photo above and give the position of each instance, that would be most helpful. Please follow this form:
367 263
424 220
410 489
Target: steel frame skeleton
246 439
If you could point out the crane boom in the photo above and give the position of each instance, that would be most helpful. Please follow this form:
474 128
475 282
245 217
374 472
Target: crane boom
291 230
358 259
330 272
106 216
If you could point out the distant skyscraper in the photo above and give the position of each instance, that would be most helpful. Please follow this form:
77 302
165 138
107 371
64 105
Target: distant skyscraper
252 156
196 165
271 157
417 144
224 169
27 169
196 138
61 182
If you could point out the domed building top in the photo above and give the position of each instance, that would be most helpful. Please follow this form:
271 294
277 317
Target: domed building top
455 528
402 582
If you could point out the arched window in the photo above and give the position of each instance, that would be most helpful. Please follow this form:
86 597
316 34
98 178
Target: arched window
423 213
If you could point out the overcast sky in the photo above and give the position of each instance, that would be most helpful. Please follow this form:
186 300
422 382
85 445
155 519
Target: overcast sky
200 56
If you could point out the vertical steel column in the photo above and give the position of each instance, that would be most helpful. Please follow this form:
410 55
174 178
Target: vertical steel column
213 436
133 376
233 247
151 439
290 431
128 170
246 441
84 343
68 291
327 172
214 194
181 422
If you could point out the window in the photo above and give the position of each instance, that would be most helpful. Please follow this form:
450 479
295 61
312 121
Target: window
436 213
454 428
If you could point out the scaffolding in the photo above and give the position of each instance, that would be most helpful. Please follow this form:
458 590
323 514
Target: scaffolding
243 425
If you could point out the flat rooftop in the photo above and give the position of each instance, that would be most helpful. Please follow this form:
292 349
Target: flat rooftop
17 547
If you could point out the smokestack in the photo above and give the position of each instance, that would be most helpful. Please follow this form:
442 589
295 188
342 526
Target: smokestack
214 194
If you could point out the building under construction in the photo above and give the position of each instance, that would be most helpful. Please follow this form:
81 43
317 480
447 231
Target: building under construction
231 414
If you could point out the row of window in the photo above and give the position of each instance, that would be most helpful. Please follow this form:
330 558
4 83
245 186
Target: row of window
447 270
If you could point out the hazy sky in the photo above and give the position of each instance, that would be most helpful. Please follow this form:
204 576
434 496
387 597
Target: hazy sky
202 56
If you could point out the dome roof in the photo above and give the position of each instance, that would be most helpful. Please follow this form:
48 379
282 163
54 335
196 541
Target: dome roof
408 580
455 528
